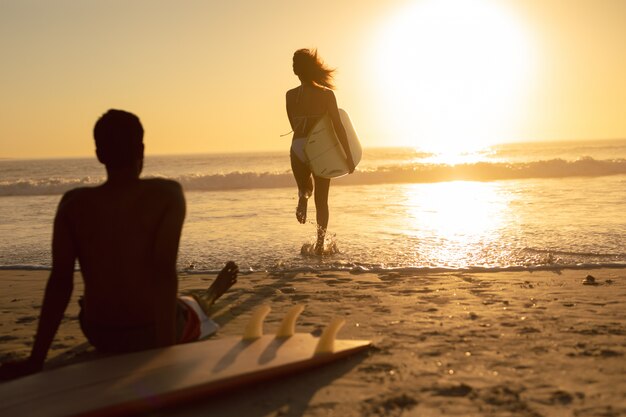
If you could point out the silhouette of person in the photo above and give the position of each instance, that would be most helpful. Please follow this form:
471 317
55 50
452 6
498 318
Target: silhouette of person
125 234
306 104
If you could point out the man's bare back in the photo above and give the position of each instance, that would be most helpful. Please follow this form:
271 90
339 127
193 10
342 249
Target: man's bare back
125 235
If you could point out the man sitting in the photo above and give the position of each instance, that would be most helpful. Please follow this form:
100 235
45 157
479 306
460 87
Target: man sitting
125 234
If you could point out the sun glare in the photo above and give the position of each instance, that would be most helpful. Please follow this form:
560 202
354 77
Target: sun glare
452 74
455 218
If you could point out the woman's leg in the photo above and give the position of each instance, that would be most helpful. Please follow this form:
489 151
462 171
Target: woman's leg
322 186
302 174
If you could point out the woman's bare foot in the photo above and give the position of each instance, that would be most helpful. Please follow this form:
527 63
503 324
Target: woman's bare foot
301 209
224 280
319 245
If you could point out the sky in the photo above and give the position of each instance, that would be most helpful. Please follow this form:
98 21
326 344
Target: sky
211 76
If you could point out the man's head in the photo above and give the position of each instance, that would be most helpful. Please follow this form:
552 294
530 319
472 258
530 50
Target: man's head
119 139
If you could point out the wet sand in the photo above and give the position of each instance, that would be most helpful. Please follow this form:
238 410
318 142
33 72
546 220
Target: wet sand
483 344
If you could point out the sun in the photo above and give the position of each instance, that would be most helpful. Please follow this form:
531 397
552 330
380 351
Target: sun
452 74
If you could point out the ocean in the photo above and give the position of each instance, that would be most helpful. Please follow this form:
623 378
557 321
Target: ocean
507 207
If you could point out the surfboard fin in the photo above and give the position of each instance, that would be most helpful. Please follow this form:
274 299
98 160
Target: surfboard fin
254 329
326 343
288 326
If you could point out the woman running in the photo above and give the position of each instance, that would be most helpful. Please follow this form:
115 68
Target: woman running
306 104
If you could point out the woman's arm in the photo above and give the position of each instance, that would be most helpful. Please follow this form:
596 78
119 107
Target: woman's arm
289 107
333 112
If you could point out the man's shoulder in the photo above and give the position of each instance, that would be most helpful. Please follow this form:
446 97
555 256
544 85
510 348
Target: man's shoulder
78 193
162 184
75 198
162 187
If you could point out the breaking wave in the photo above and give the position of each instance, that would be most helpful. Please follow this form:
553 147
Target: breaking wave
402 173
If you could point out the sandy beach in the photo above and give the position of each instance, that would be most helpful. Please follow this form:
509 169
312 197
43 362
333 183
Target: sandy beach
483 344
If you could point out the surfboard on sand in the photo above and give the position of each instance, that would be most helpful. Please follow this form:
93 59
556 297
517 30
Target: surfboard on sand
144 381
325 154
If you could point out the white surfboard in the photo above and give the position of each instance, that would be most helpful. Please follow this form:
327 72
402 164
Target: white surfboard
325 154
141 383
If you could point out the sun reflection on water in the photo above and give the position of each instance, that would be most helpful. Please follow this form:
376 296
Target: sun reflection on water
457 221
456 156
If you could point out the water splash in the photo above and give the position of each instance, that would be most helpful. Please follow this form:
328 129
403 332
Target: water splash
330 248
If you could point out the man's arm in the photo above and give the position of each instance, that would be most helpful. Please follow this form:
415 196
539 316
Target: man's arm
56 297
165 254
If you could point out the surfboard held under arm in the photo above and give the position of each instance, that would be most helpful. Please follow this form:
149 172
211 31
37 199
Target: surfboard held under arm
143 381
326 156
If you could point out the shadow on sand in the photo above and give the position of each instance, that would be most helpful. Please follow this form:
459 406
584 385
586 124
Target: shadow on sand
288 396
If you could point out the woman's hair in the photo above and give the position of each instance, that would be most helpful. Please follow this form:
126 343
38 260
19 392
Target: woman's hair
310 68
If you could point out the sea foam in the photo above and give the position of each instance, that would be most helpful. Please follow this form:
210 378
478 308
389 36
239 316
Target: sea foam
385 174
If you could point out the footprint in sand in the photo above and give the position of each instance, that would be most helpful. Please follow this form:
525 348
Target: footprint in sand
7 338
390 405
383 310
453 391
60 345
378 372
526 330
377 367
26 320
561 397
